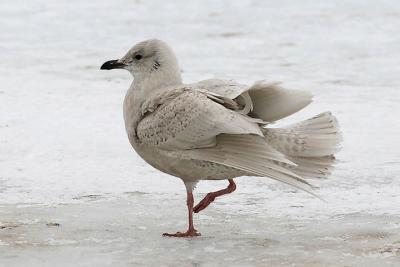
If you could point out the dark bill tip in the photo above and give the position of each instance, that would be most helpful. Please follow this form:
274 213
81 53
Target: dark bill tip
112 64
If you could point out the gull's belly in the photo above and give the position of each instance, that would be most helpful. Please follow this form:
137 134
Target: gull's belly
187 169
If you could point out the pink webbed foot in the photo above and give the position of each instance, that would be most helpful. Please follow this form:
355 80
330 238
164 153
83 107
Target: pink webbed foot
188 233
191 232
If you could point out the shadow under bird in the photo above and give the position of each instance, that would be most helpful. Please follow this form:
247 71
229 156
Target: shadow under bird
218 129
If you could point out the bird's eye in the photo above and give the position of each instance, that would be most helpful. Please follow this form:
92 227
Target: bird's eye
138 57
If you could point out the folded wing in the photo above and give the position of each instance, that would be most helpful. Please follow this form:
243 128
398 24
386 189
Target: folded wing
194 123
184 118
252 155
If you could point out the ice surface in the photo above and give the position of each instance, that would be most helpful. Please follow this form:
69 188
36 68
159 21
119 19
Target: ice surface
73 192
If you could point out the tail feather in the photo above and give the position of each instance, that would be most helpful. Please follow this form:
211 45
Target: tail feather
313 167
310 144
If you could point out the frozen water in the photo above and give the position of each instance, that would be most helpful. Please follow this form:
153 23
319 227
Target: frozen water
73 192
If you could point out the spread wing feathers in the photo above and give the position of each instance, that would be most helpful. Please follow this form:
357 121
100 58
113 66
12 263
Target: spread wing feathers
241 104
272 102
252 155
268 102
226 88
183 118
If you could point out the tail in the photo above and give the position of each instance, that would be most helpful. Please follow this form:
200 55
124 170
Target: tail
311 144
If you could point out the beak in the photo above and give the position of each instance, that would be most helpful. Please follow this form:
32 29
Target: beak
112 64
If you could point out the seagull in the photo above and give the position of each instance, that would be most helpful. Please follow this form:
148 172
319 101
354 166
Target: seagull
220 129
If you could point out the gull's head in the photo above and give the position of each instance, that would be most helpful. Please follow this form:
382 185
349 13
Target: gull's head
150 59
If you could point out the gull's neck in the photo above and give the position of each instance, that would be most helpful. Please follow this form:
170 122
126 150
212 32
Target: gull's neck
149 84
144 88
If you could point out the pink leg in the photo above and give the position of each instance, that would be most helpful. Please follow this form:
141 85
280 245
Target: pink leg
210 197
191 232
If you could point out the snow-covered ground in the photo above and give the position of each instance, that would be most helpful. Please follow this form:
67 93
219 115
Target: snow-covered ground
74 193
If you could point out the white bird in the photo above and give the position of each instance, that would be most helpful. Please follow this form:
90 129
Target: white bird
216 129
